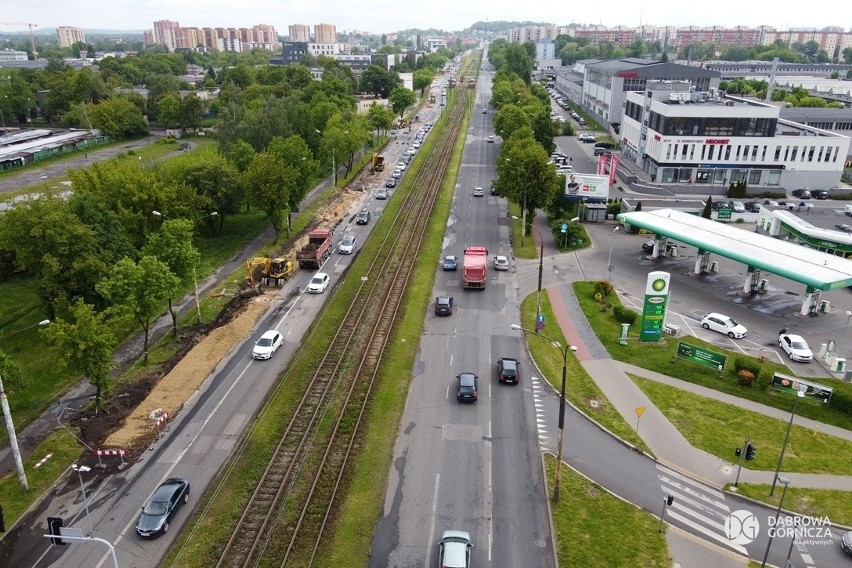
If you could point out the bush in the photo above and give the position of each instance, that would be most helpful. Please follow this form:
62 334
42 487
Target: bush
741 364
624 315
746 378
603 287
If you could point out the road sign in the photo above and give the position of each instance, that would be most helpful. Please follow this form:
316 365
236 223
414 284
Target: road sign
539 322
564 227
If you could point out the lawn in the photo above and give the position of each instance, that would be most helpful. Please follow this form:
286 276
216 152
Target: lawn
594 528
660 356
581 390
816 502
718 428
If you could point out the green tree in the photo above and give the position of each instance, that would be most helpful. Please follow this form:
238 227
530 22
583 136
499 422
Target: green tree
379 81
169 105
139 291
294 153
117 117
400 99
11 374
518 61
380 119
172 244
86 343
269 183
509 119
708 207
191 112
422 79
524 174
241 154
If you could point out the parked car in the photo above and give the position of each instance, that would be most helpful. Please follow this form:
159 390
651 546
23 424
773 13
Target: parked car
362 218
770 202
802 193
738 207
846 543
267 344
450 262
157 513
478 191
501 262
600 151
508 370
444 306
587 139
467 387
795 347
347 245
725 325
648 246
382 193
318 283
454 549
821 194
752 206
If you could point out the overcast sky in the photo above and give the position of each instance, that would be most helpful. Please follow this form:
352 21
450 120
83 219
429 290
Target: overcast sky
381 16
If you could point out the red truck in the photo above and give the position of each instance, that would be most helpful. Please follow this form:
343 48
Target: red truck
313 254
475 261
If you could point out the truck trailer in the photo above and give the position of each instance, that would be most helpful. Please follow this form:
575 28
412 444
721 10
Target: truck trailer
474 267
317 250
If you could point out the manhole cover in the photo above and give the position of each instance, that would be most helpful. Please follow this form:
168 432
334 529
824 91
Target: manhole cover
594 403
541 543
727 469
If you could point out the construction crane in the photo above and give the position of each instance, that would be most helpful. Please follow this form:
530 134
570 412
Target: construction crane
32 37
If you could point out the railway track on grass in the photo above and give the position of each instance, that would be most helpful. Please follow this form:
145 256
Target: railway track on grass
294 502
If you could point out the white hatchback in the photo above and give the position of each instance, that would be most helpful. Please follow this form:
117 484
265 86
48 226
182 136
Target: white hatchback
501 262
725 325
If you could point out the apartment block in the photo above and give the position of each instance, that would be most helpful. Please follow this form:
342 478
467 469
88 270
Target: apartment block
68 36
300 33
325 33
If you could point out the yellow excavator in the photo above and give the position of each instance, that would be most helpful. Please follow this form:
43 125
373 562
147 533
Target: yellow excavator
268 271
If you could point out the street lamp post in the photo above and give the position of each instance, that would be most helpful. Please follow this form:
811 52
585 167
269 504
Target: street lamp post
801 395
846 329
10 425
609 262
564 349
786 482
81 469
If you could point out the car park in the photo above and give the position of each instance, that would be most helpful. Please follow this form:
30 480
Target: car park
501 262
454 549
347 245
450 262
444 306
508 370
318 283
478 191
725 325
159 510
467 387
795 347
267 344
362 218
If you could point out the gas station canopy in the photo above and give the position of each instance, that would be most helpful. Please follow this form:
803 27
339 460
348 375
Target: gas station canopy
819 270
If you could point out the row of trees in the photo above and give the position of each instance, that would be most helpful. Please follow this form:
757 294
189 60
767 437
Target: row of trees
797 97
523 121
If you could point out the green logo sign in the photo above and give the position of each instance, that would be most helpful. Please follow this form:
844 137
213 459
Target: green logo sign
701 356
654 306
724 214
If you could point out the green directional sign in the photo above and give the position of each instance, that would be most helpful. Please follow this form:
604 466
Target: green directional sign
724 215
701 356
654 306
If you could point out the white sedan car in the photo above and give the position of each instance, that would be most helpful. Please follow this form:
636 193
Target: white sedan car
724 324
264 348
795 347
318 283
501 262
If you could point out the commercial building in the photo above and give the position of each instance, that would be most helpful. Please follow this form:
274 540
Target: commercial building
677 134
605 83
67 36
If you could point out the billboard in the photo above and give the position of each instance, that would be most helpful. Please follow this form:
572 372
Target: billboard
587 187
701 356
793 385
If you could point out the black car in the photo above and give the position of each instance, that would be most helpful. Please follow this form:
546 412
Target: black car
467 387
444 306
802 193
362 218
822 194
391 182
599 151
507 370
161 507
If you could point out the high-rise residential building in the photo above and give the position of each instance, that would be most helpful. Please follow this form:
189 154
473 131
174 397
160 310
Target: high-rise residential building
325 33
300 33
68 36
164 33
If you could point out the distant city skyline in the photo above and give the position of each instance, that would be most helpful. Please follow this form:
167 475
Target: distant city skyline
384 16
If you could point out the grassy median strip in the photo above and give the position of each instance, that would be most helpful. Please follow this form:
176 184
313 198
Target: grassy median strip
659 356
830 503
580 389
595 528
718 428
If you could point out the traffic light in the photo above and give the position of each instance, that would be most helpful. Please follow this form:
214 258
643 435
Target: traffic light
54 524
669 500
738 452
751 451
